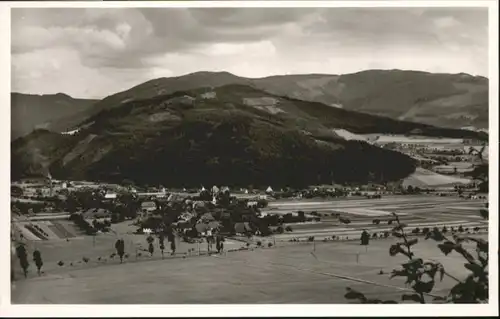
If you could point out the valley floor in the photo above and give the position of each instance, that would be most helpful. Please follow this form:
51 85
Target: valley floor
285 273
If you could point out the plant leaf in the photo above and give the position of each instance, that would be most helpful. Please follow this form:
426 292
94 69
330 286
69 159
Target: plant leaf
411 242
414 263
400 227
461 250
424 287
372 301
400 273
476 269
447 247
441 272
394 250
397 234
439 298
411 297
353 294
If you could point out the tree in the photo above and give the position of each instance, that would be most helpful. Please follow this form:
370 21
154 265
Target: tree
302 216
161 239
172 247
262 203
224 198
365 238
16 190
120 248
219 239
127 183
421 274
162 249
480 173
150 239
115 217
37 258
205 195
23 258
151 249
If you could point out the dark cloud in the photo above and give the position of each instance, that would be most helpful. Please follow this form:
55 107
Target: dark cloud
143 39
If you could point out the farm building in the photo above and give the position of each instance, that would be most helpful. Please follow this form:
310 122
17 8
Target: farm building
110 196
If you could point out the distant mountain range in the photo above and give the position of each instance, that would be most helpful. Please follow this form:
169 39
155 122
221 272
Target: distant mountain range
446 100
233 134
218 128
57 112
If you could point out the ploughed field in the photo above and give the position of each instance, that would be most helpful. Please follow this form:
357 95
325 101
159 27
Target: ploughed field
415 210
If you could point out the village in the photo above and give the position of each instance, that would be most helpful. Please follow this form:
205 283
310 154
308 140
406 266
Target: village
76 225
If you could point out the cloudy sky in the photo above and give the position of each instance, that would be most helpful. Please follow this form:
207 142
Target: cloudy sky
97 52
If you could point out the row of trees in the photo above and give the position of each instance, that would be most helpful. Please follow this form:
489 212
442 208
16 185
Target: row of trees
90 229
22 255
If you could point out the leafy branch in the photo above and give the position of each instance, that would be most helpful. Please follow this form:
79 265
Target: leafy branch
421 275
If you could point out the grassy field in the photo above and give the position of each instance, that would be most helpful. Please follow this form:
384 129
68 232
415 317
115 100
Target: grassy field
424 178
99 249
294 273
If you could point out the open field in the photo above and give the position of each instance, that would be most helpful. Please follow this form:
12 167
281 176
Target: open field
414 210
100 249
289 274
385 138
425 178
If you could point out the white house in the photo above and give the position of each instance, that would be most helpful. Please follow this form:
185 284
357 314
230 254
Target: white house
110 196
252 203
208 95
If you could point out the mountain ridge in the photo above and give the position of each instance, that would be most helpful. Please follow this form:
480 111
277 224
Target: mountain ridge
440 99
236 135
49 111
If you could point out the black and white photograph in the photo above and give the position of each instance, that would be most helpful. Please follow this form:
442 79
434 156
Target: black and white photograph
244 154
